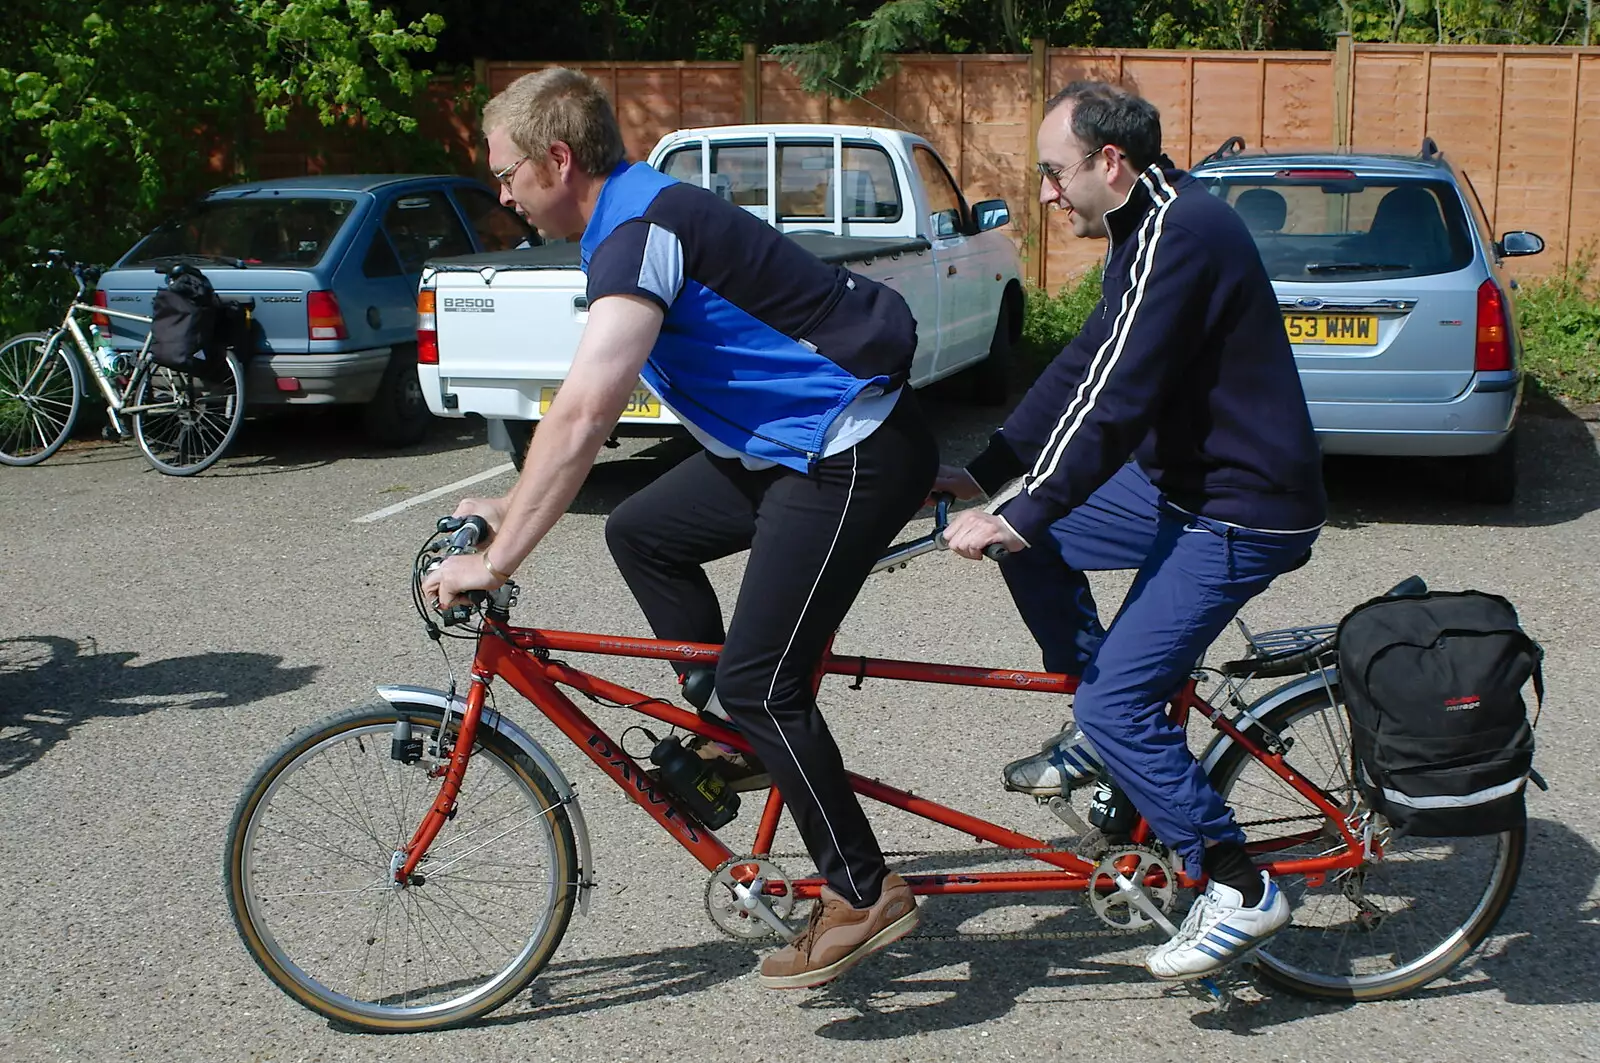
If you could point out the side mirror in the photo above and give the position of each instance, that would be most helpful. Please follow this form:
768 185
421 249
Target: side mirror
1515 244
991 214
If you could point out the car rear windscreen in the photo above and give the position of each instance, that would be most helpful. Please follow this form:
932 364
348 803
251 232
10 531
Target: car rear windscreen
281 231
1330 225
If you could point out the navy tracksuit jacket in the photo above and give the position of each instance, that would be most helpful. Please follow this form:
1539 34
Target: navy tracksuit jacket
1185 367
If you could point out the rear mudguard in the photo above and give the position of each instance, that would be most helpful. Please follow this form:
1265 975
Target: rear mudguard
1258 709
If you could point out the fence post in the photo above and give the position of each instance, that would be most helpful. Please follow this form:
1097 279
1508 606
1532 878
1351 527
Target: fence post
480 83
1036 213
1343 79
752 84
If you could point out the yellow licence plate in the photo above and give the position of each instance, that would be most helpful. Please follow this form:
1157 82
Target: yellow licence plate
642 403
1357 330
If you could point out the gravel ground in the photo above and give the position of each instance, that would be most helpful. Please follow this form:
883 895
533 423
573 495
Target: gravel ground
165 635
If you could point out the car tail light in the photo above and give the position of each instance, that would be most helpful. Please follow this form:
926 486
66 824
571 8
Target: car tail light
1493 352
323 319
101 321
1317 175
427 329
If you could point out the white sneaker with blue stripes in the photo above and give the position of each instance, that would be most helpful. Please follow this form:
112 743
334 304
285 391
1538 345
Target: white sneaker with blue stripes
1063 764
1219 929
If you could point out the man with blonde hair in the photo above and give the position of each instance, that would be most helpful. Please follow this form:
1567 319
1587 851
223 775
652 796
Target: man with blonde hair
791 373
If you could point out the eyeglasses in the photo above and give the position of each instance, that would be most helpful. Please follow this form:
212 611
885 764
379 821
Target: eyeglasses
504 176
1060 179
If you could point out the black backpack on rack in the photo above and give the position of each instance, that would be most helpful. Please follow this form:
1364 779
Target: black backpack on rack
187 331
1433 684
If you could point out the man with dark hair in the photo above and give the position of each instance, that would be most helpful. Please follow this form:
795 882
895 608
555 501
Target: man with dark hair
1184 366
792 374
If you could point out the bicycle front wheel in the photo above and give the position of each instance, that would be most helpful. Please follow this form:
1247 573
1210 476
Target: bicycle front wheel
1388 927
191 422
310 866
41 390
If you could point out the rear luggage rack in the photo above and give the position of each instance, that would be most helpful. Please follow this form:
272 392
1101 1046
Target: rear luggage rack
1284 651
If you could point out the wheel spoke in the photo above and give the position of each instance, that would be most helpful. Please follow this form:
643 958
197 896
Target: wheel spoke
1406 918
450 939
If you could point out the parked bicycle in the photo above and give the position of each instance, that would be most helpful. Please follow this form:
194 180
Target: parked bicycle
379 882
182 423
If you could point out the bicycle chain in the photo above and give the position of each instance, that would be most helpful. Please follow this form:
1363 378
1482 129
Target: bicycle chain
996 935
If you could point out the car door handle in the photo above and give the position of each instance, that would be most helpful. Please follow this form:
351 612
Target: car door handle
580 303
951 272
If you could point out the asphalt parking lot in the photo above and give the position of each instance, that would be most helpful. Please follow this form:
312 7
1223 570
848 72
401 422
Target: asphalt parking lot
163 636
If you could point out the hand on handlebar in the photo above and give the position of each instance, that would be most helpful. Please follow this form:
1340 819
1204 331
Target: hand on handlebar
973 532
452 578
492 510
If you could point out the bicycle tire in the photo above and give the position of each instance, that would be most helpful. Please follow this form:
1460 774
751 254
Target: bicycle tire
16 370
191 438
248 874
1282 961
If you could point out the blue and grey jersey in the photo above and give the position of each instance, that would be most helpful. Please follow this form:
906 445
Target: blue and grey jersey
764 346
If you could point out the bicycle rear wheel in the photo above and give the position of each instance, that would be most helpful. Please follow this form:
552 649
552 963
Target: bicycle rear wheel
1388 927
194 421
310 881
41 391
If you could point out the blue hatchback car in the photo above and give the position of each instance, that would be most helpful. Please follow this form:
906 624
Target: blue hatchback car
333 264
1395 298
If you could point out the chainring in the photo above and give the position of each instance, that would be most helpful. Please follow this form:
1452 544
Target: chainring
728 914
1139 864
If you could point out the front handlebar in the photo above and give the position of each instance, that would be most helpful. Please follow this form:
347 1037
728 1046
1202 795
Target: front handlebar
463 535
86 275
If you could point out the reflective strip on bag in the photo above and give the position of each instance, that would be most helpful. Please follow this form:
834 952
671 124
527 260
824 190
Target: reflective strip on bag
1481 797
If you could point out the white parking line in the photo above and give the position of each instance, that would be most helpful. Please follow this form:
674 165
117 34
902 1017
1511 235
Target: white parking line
429 496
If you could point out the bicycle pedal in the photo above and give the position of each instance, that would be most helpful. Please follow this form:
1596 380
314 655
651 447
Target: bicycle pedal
1212 992
111 435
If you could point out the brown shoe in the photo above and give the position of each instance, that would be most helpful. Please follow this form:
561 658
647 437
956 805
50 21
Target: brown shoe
741 771
839 936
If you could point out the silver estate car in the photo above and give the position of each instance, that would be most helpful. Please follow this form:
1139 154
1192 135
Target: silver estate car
1394 298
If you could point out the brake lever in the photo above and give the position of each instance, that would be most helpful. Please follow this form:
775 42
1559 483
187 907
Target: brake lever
941 520
465 532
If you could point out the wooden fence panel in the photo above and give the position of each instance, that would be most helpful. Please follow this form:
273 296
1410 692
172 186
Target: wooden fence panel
1534 182
1522 122
992 161
1583 216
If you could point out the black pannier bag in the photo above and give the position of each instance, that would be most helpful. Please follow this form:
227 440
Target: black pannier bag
1433 683
187 332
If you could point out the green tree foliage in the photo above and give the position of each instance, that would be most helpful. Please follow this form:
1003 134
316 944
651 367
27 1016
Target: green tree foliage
862 54
114 111
856 60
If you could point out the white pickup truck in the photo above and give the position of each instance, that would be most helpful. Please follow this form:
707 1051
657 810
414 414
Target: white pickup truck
497 332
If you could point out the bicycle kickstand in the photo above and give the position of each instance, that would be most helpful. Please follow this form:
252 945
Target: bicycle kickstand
1208 989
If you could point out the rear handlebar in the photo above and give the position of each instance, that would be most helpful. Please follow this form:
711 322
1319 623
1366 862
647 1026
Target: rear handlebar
900 555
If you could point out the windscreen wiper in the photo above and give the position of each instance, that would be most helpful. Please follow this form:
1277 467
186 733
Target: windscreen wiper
1357 267
194 256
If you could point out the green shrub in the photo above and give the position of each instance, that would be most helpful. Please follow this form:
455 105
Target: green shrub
1559 317
1052 320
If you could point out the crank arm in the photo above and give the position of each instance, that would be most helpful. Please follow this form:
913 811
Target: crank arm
1141 900
750 900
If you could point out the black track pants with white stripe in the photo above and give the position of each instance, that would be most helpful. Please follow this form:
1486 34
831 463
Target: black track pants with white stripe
812 540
